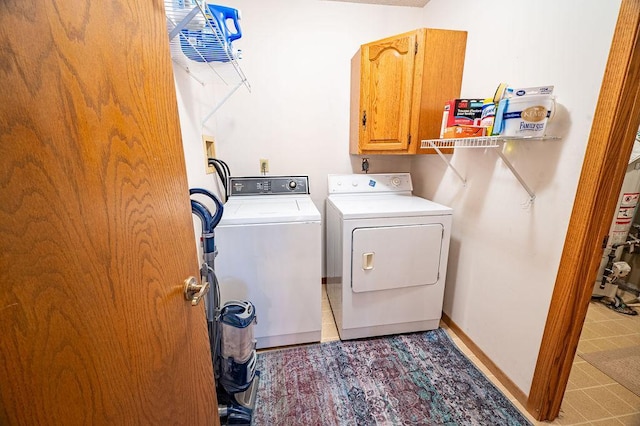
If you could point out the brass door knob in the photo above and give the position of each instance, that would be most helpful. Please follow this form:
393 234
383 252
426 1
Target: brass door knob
194 291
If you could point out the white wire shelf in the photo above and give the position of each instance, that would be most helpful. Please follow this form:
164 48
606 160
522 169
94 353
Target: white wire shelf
484 142
199 48
479 142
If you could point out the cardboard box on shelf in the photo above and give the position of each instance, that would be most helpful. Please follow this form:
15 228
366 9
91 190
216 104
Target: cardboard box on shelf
462 131
466 112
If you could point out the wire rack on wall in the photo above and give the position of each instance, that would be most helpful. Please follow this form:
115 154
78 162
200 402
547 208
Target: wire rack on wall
200 48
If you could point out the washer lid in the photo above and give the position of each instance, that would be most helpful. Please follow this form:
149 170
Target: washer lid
388 205
269 209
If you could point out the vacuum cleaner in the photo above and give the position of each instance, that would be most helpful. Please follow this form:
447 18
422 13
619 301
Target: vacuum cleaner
233 352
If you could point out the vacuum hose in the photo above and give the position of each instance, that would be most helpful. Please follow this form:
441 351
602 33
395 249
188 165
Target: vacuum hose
219 208
209 222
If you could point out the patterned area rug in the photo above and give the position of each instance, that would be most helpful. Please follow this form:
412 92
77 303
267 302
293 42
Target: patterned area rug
411 379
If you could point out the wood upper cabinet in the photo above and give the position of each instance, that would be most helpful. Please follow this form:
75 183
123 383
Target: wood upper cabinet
399 86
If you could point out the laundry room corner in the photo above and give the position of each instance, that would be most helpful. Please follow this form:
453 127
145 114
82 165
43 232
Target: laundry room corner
408 212
505 244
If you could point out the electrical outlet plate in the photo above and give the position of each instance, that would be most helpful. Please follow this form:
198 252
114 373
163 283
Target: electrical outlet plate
209 152
264 166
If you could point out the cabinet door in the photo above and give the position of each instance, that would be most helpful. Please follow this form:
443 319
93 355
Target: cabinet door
386 88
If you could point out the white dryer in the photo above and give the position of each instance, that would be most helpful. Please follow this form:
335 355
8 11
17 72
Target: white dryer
269 253
386 255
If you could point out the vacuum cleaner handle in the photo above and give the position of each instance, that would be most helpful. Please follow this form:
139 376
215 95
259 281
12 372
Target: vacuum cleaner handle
203 213
208 242
219 207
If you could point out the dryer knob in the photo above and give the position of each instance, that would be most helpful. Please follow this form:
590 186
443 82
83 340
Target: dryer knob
395 181
292 184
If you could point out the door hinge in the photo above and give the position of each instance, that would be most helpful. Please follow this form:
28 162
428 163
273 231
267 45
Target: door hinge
409 140
605 241
364 118
415 51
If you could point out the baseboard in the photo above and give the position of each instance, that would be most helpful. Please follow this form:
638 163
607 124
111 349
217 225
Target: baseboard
491 366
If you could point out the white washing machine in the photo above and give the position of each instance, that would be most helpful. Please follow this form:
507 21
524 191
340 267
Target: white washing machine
386 255
269 252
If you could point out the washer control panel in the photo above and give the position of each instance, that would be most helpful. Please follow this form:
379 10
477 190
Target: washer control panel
268 185
373 183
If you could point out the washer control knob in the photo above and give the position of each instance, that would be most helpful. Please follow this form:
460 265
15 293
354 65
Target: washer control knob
395 181
292 184
354 183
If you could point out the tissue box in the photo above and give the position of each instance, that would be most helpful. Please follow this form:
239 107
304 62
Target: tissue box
461 111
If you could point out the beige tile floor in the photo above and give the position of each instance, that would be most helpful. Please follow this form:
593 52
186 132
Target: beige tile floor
592 398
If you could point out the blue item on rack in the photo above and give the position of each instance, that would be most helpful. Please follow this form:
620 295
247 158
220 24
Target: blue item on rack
213 42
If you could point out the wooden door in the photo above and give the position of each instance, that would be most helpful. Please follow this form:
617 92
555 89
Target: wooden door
386 92
96 233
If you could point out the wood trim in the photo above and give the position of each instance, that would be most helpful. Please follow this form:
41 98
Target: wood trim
613 131
354 103
491 366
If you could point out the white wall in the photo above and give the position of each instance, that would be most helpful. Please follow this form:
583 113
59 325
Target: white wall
504 254
296 55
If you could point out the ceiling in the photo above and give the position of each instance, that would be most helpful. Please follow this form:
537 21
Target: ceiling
410 3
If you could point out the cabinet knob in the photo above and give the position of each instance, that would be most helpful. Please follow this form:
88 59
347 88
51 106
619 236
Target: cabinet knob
364 118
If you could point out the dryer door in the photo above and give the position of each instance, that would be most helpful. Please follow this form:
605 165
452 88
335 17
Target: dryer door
391 257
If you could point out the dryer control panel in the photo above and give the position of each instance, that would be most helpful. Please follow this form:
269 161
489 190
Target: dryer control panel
370 183
268 185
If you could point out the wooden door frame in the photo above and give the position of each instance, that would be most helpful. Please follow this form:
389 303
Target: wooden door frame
615 124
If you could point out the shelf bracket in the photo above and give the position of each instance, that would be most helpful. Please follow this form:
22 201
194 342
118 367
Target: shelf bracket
228 95
182 24
495 142
446 160
532 195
